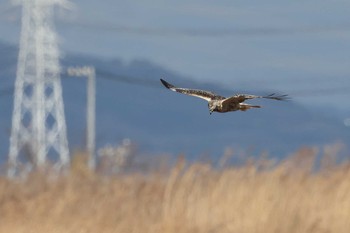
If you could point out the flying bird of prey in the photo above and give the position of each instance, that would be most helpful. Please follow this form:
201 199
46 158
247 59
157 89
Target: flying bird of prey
217 103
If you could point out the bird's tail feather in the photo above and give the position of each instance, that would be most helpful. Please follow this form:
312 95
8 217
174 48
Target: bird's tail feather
245 107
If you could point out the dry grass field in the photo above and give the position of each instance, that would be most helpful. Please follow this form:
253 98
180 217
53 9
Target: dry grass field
256 197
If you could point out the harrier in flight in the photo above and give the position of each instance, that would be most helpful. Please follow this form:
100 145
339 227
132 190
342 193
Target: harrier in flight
217 103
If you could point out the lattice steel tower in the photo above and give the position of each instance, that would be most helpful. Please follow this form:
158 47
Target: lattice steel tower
38 123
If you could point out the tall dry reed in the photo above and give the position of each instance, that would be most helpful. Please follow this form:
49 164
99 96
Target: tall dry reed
256 197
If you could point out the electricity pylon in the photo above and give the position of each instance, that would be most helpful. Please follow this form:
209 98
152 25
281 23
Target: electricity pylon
38 123
90 73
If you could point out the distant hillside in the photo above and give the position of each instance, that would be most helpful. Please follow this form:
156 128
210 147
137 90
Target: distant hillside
131 103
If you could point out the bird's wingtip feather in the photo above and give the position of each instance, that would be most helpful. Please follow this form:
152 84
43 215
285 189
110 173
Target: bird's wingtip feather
166 84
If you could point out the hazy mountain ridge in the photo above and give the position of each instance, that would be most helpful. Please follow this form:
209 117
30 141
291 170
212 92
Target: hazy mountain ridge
163 121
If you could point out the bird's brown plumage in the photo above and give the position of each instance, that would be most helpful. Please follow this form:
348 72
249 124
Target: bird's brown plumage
217 103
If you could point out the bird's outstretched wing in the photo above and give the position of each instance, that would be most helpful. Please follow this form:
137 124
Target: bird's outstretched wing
242 97
207 95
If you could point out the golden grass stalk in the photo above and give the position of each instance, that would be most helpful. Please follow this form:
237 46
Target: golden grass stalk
187 198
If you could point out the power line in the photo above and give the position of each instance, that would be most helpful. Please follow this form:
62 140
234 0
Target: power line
203 32
197 32
132 80
292 93
127 79
208 32
154 84
321 92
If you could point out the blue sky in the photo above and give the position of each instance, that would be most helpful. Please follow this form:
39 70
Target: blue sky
296 47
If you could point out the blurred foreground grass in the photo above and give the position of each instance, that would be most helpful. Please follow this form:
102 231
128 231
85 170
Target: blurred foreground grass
255 197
